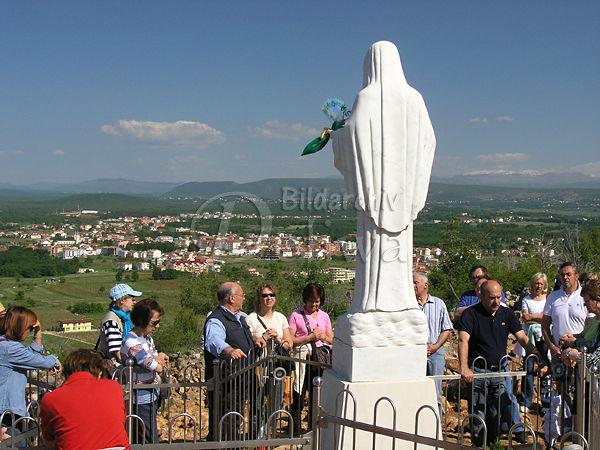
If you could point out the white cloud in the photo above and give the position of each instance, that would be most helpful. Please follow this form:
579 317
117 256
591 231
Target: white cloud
505 119
11 153
503 158
530 172
182 133
58 152
478 120
591 169
281 131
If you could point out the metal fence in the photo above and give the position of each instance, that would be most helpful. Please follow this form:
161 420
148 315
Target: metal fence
247 405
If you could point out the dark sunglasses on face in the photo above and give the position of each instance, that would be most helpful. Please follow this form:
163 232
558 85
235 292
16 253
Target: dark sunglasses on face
154 322
268 295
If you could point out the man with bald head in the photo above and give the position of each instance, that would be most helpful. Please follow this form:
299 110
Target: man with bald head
482 338
227 337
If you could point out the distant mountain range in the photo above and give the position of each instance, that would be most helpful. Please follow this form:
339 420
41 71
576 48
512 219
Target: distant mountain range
272 188
552 180
98 186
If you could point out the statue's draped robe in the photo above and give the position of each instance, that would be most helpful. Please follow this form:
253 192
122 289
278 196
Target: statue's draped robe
385 153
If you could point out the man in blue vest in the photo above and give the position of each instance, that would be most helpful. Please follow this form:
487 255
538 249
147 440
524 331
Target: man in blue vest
228 338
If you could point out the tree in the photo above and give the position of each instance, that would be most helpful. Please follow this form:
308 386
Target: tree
135 276
590 251
183 334
199 293
119 275
451 276
581 248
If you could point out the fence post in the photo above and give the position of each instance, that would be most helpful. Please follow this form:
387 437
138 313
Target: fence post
129 363
581 392
216 412
316 406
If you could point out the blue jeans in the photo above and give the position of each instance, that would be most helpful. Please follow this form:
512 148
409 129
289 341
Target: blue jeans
435 366
526 398
147 412
510 406
527 383
488 412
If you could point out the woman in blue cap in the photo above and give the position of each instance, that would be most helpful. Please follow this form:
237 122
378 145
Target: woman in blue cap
116 323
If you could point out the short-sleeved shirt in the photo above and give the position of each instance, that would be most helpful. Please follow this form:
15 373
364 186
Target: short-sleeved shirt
533 307
298 327
488 334
438 319
85 412
278 322
568 313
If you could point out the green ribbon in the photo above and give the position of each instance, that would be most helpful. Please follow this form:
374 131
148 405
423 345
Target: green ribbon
318 143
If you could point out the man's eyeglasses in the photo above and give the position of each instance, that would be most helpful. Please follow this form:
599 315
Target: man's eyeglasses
270 294
154 322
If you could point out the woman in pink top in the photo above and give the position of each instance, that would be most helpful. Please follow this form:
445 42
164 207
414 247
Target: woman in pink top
321 333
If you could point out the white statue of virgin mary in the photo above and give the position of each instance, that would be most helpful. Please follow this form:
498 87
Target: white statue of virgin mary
385 153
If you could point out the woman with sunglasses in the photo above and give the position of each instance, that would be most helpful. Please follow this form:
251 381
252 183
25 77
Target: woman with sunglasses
267 323
139 346
15 360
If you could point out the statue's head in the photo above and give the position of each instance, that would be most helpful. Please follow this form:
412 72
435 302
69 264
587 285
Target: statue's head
382 64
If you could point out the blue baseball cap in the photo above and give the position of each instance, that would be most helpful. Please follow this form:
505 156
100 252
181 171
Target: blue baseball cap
121 290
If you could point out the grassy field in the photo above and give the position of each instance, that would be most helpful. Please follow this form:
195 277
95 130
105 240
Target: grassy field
50 300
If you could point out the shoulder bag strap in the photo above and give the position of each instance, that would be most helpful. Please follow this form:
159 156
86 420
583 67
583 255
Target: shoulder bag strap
261 322
313 344
306 322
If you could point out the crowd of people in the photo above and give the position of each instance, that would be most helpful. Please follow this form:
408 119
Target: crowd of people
231 335
553 327
126 334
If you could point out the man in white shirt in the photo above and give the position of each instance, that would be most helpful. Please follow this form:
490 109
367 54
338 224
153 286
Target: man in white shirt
564 309
566 312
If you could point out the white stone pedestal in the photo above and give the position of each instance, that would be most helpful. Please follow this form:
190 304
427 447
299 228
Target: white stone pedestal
407 394
379 363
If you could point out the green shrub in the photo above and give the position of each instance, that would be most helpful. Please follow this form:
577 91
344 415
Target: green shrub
182 335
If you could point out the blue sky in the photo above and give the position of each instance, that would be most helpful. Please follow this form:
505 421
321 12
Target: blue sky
231 90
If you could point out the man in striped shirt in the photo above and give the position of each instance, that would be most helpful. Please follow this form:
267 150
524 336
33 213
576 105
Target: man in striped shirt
440 329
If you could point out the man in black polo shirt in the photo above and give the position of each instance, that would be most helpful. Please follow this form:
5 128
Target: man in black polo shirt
228 338
483 332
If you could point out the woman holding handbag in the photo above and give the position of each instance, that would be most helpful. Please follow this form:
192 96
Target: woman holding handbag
312 334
